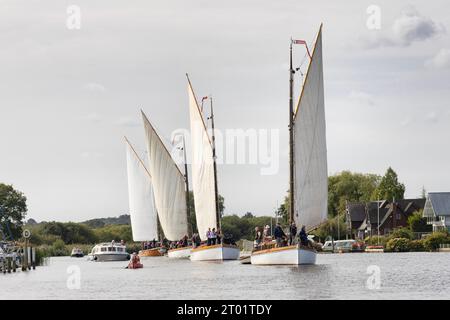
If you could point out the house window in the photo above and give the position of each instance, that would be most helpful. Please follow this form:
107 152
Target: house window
398 216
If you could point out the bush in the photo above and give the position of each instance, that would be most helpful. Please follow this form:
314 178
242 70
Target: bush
417 245
433 241
401 233
133 247
373 241
114 232
398 245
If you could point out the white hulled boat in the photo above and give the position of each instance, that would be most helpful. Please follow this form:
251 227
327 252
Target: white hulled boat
308 162
109 251
204 182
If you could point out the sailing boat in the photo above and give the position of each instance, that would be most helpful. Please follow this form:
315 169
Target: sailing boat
169 190
143 214
308 163
204 181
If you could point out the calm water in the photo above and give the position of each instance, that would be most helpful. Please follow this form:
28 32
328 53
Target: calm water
336 276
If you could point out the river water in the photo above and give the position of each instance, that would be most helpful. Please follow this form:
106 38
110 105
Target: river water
335 276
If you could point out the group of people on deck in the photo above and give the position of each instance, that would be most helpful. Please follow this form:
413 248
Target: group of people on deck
150 244
213 237
281 239
183 242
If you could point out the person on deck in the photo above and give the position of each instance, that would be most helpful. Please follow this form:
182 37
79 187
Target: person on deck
292 233
266 233
209 236
213 236
279 235
197 240
184 241
258 237
303 237
219 236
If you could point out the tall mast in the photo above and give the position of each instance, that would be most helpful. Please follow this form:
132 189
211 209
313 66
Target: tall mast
291 137
216 192
186 178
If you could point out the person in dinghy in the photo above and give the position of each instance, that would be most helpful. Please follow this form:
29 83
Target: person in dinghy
135 262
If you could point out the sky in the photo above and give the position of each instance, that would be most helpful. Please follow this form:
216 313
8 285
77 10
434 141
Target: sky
72 84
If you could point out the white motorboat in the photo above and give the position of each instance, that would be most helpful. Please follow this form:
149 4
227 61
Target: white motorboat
110 251
77 253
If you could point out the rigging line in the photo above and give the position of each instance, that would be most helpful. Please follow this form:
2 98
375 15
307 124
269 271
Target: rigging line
198 109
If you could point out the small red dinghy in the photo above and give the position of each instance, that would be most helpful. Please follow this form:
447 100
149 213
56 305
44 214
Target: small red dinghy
135 262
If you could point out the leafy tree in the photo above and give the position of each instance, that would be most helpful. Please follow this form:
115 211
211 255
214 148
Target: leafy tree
417 223
114 232
424 193
330 228
243 227
69 232
283 210
13 209
390 188
351 187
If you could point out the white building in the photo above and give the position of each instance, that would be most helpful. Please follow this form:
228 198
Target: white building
437 210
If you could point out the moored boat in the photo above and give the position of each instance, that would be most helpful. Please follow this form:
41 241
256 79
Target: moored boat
215 252
374 249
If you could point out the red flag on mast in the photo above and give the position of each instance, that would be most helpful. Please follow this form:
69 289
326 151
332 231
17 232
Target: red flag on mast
299 41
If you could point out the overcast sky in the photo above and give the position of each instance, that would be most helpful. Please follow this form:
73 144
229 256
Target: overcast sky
68 96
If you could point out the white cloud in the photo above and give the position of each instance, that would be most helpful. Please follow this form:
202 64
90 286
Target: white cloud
95 87
362 98
440 60
410 27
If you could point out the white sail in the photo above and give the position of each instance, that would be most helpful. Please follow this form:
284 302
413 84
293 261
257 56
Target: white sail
168 186
202 170
143 214
310 151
